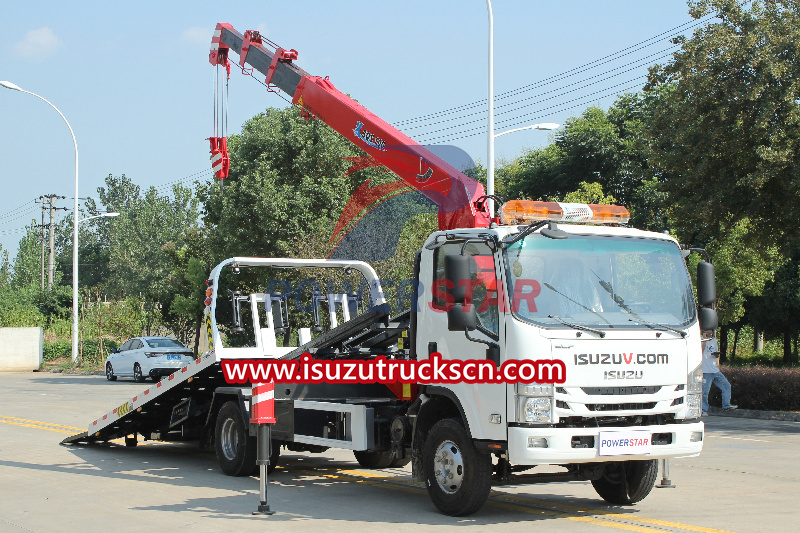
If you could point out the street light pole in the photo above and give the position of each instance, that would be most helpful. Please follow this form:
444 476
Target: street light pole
490 139
13 87
543 126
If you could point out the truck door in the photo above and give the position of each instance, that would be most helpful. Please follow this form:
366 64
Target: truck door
483 404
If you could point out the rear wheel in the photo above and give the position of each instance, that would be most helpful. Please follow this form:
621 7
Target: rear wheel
137 373
458 477
110 373
627 482
236 450
400 463
374 459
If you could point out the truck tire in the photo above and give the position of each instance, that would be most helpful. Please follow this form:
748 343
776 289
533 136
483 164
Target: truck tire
236 450
137 374
400 463
374 459
627 482
458 477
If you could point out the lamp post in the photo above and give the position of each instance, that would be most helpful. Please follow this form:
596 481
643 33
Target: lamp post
543 126
9 85
491 137
101 215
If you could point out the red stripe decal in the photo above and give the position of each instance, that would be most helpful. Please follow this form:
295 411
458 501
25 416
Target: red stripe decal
134 399
159 384
184 369
105 416
172 376
147 392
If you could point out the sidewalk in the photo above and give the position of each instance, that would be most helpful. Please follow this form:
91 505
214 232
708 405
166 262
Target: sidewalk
789 416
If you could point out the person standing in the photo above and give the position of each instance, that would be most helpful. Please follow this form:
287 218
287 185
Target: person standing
713 376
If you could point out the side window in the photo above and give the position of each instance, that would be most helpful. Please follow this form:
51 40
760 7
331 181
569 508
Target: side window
484 295
126 346
136 344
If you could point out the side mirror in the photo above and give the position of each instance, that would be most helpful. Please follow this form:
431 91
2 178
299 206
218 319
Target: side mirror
114 350
706 285
457 269
707 318
459 319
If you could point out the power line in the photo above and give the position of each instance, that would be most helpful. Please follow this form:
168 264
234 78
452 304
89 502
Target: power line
552 110
13 211
569 73
483 111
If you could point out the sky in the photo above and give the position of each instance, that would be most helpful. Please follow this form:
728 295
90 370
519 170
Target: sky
134 82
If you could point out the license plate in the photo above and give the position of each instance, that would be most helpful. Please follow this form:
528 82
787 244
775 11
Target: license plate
178 357
634 442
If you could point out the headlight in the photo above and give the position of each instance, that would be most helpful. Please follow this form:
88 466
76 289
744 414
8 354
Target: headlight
694 405
694 383
534 403
694 393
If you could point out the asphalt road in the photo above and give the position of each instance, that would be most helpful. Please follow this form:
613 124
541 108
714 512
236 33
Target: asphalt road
746 479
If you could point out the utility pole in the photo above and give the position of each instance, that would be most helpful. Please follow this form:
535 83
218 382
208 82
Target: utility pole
51 243
48 203
41 274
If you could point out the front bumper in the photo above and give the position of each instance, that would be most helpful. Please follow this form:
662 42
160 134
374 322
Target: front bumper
560 444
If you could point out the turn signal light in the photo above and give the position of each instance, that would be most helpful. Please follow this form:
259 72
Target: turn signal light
526 211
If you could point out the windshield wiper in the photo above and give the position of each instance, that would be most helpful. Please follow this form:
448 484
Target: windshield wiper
621 303
656 324
579 304
577 326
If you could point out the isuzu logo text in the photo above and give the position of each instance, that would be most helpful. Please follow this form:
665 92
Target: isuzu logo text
621 358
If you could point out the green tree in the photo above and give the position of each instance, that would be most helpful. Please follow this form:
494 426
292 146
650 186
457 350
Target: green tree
27 263
728 126
287 183
139 240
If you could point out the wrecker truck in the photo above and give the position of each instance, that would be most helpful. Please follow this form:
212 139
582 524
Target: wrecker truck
543 280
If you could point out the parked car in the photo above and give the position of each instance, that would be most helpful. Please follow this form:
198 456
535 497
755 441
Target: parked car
143 357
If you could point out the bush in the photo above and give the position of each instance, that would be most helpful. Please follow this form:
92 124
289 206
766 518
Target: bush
54 350
89 349
760 388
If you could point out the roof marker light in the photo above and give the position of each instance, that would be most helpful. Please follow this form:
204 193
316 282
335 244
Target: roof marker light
526 211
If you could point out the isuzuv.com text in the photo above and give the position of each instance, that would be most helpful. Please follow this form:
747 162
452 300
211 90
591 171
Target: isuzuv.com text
388 371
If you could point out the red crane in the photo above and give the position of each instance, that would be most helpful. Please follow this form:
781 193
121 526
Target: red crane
460 199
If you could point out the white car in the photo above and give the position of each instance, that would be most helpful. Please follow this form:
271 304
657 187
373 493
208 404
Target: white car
143 357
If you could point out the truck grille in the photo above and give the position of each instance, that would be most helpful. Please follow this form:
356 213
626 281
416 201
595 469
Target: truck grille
620 406
620 391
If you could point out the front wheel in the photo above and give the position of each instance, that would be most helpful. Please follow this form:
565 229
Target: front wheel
458 477
627 482
236 450
110 373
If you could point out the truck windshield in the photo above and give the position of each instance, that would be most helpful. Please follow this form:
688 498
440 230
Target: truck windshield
599 282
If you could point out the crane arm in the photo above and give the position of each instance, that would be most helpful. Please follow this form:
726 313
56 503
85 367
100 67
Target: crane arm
460 199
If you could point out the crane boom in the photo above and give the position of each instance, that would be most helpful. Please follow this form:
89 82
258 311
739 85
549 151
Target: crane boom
460 199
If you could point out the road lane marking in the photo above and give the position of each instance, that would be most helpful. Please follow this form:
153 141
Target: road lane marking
40 422
735 438
520 503
496 499
11 422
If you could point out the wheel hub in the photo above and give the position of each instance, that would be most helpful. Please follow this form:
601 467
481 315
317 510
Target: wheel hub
229 438
449 467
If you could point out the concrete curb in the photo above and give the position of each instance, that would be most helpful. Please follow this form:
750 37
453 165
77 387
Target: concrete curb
787 416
